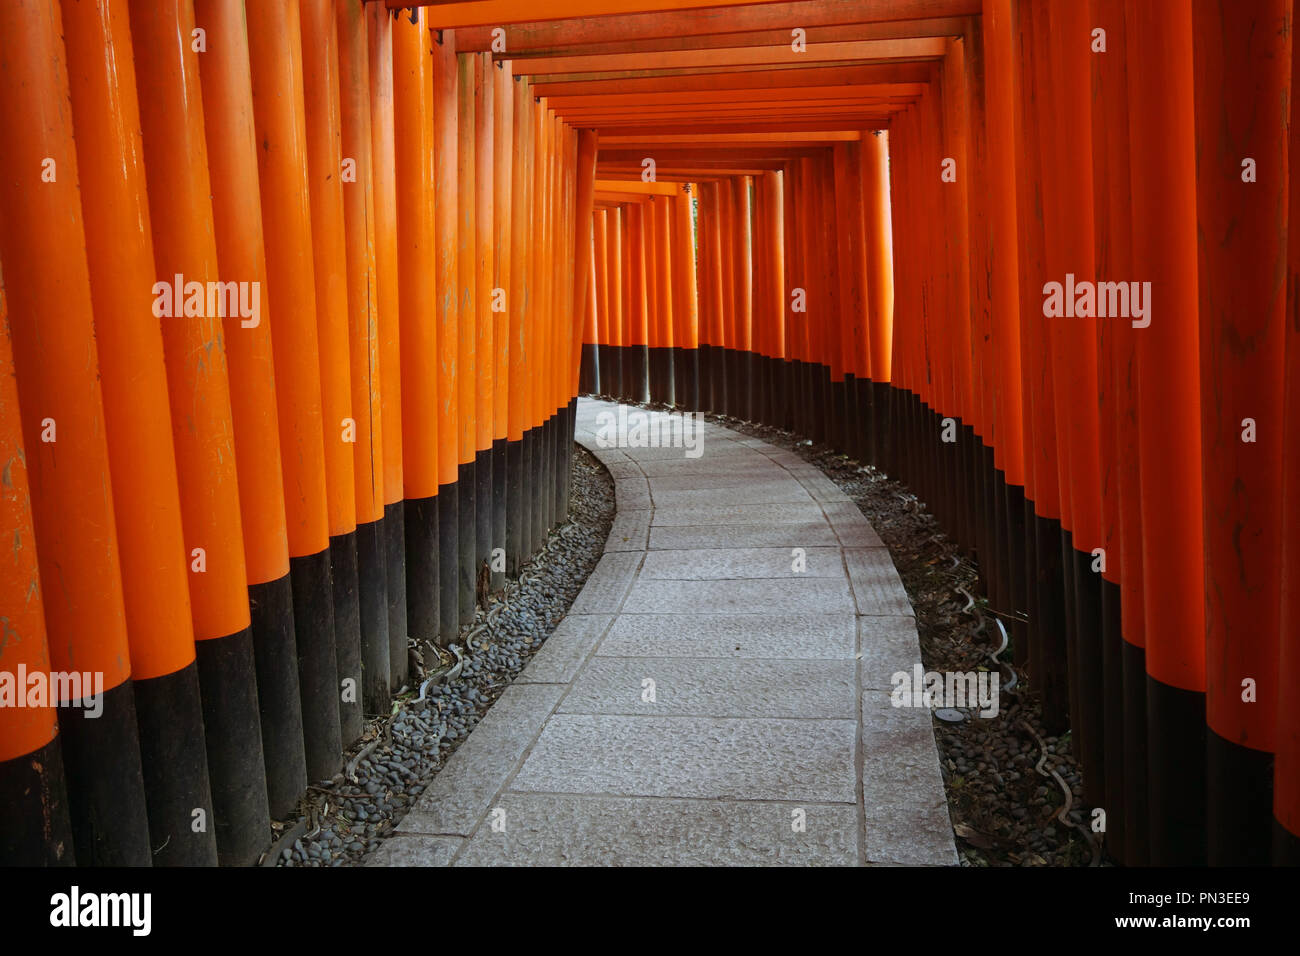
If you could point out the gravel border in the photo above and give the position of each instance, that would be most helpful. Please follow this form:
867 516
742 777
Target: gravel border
347 818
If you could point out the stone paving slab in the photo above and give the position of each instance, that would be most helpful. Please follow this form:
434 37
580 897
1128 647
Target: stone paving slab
701 695
708 450
734 636
755 464
889 645
564 651
801 534
632 494
759 494
876 584
630 531
413 849
625 469
765 596
717 757
564 830
768 513
714 688
708 564
608 584
772 477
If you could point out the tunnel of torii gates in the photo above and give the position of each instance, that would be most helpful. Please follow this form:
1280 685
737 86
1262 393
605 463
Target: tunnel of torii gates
436 226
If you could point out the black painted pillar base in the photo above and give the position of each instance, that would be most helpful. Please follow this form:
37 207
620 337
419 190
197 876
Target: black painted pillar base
228 689
1018 572
1239 804
467 542
372 588
589 370
536 490
1088 739
347 635
279 698
636 360
527 496
500 466
1112 644
32 790
1286 846
1176 774
174 762
514 541
483 516
105 781
447 543
1136 807
395 572
318 677
1052 672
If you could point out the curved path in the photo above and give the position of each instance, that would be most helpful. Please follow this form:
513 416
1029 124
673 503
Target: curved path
704 702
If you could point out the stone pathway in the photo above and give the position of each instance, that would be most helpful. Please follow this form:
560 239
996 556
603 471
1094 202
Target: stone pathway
704 703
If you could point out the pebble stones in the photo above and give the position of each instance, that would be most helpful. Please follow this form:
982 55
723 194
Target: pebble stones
355 817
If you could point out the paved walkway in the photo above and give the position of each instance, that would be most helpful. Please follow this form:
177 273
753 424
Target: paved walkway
704 703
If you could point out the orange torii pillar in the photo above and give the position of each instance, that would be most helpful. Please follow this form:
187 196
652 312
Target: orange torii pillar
329 247
1112 235
147 503
593 318
47 287
175 157
954 313
852 302
743 316
614 230
237 218
503 118
986 501
1124 730
580 188
1047 654
1008 440
536 329
1286 768
387 303
519 308
636 354
466 372
686 315
275 55
1241 55
659 302
443 416
589 370
32 788
1075 354
484 200
543 492
364 345
715 360
726 321
801 299
241 256
601 304
1162 133
710 299
411 350
770 284
876 214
